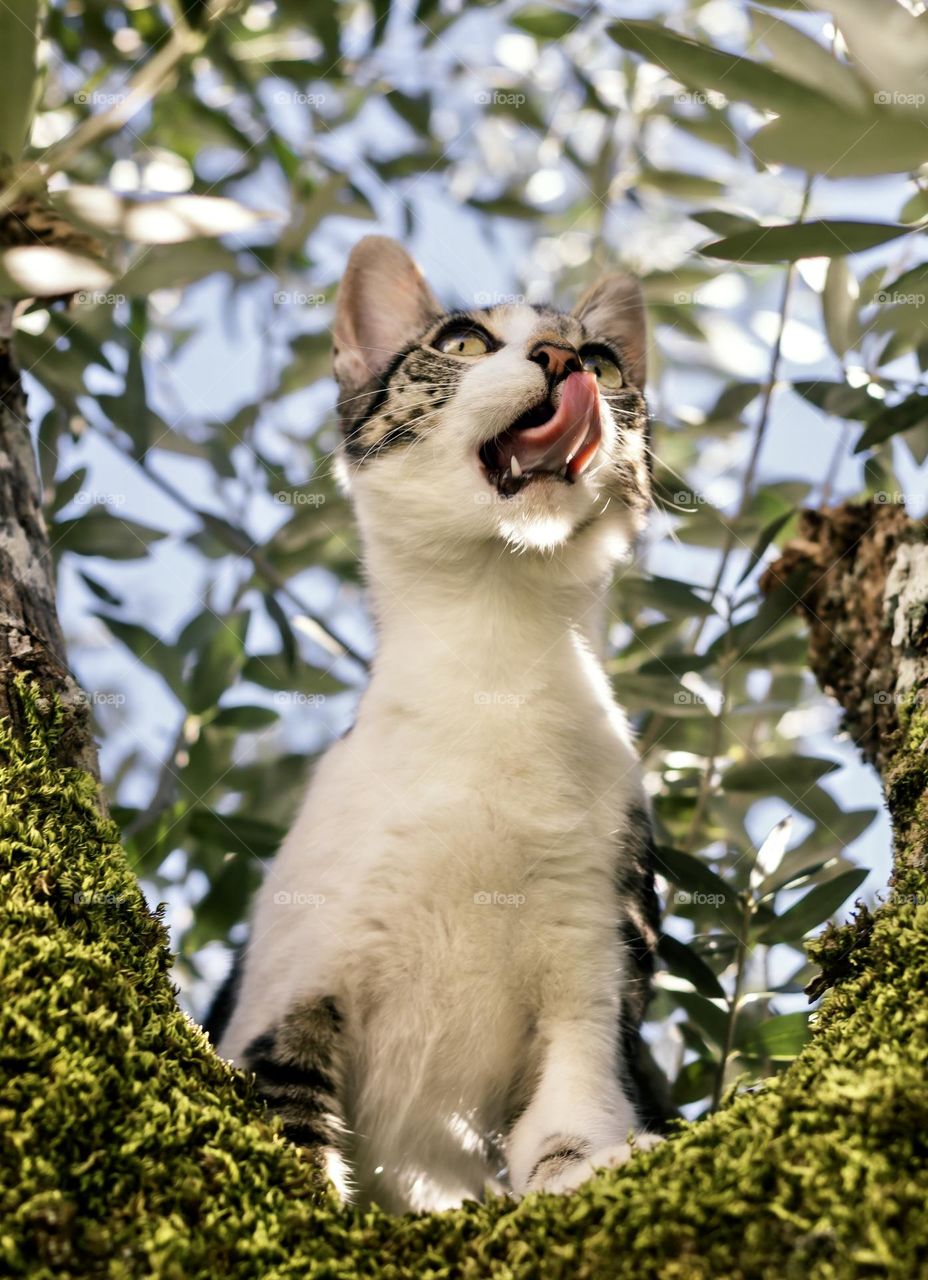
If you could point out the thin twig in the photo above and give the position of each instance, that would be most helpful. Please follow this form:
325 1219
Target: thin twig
763 422
324 634
238 541
658 722
741 957
165 788
706 782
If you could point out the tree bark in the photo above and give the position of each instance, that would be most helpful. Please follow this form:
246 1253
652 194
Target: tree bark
32 646
133 1151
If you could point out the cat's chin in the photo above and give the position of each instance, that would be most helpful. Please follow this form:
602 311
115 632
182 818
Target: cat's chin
549 514
591 547
417 508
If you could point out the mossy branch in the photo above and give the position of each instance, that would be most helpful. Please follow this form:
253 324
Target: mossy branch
131 1150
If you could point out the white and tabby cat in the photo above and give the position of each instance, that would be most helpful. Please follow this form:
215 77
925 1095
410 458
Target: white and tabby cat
462 1008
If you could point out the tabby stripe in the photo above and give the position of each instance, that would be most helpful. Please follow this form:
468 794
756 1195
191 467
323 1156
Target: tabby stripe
304 1134
569 1153
379 396
638 928
400 434
275 1072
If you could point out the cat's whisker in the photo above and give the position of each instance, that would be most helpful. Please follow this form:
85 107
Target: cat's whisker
377 445
364 395
673 472
331 454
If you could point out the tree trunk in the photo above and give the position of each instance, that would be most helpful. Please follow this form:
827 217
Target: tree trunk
131 1150
31 644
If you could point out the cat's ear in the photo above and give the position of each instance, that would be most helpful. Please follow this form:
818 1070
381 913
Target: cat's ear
383 304
613 310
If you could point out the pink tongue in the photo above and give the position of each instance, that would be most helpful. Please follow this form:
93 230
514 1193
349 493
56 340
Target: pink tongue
570 438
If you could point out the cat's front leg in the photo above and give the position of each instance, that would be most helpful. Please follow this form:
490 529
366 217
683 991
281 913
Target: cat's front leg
299 1070
578 1119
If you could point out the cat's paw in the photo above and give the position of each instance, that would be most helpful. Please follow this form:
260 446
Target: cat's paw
569 1176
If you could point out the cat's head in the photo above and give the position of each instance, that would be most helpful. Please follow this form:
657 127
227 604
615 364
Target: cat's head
509 424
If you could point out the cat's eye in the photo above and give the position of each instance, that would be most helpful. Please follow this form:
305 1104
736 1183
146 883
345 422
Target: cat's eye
608 374
463 342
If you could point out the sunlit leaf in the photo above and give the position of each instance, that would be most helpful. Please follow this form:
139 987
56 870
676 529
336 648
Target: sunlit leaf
244 717
43 271
842 145
781 1037
706 68
771 774
162 220
100 534
172 266
802 58
771 852
839 306
547 24
890 47
815 907
19 77
909 413
820 238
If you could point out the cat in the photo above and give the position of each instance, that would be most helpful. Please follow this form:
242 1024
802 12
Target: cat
451 954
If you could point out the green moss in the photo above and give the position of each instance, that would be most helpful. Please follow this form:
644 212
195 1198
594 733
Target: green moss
840 951
129 1149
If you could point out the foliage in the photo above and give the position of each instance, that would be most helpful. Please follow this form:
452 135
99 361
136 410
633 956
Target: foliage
206 217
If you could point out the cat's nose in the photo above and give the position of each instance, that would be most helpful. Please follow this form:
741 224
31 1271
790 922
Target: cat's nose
556 361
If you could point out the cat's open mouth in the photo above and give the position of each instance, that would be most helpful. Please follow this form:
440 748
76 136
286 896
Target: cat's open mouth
550 440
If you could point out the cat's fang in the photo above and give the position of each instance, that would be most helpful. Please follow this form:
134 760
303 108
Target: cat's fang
514 467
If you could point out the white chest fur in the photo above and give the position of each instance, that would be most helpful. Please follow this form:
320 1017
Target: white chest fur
450 877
